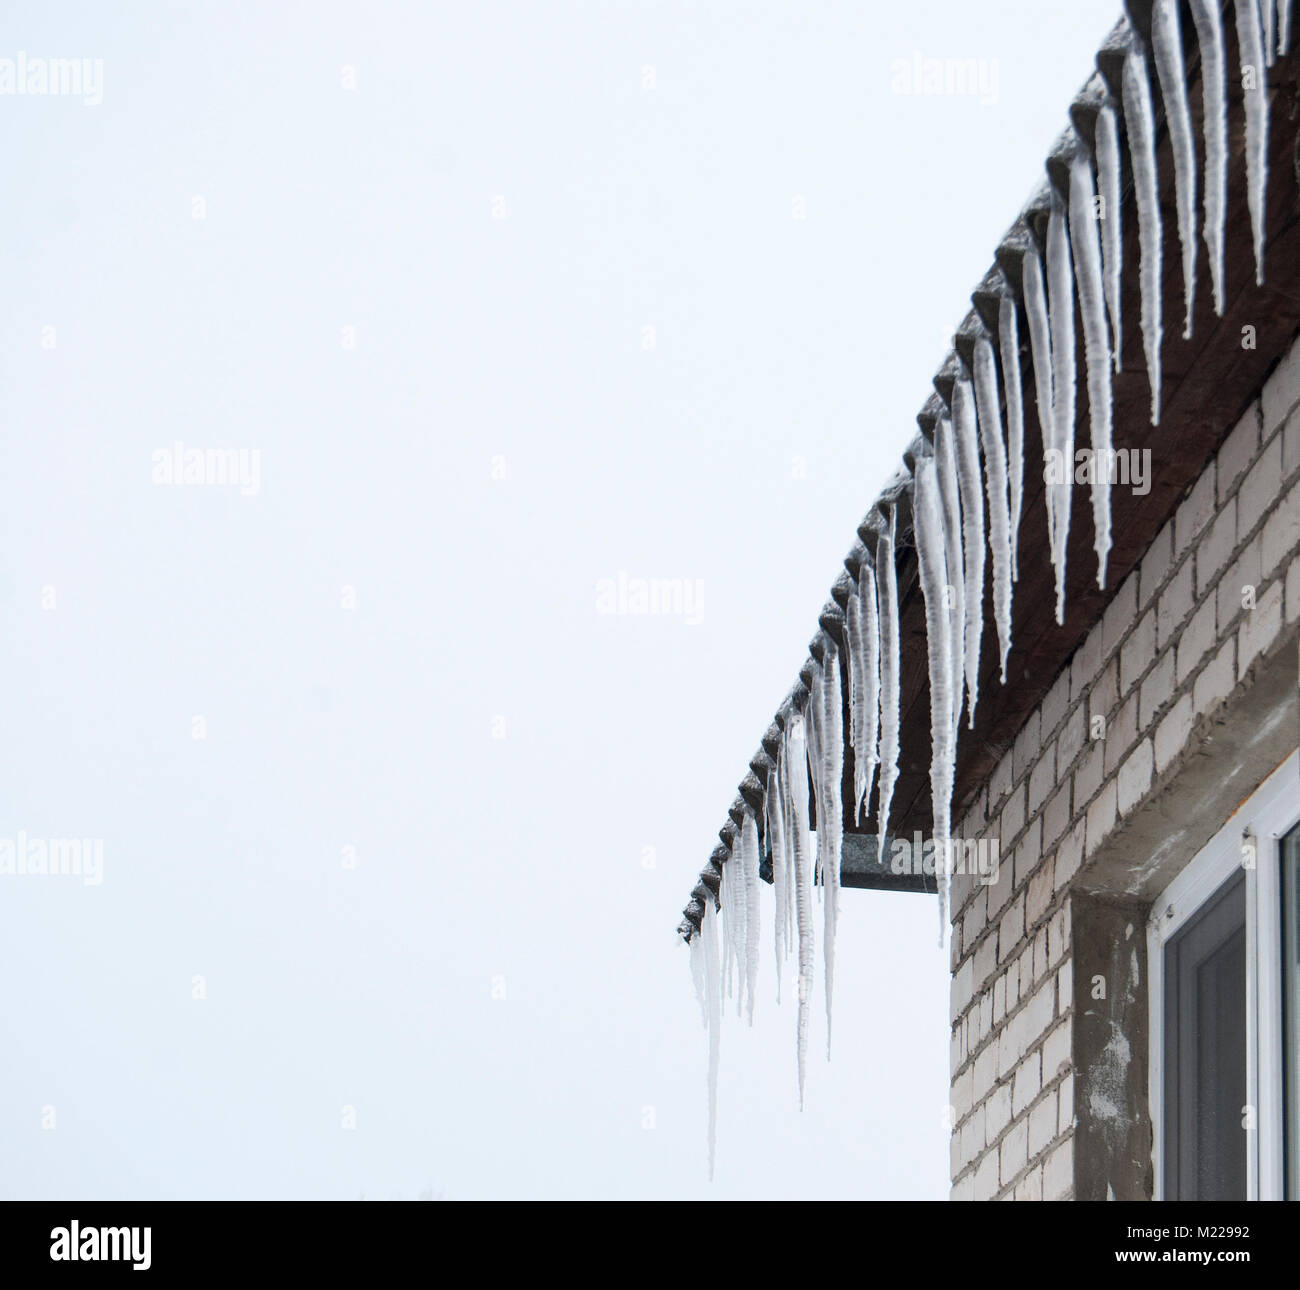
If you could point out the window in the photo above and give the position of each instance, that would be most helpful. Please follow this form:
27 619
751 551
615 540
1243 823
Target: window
1224 955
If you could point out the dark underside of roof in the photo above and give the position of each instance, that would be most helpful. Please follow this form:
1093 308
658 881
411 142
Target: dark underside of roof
1208 381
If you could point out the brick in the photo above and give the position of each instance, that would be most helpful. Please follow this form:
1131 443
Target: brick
1291 443
1065 987
1083 666
1058 1172
1118 615
1058 935
1135 777
1028 1081
1137 652
954 947
1216 547
1155 565
1258 490
999 999
1238 451
1000 889
1056 1053
976 918
1030 1187
1176 602
1042 1123
1069 855
1025 749
1104 695
1055 702
1292 597
986 1177
1087 779
1038 1013
1195 511
986 1071
1121 733
1197 639
997 1113
1013 816
1013 985
1101 818
1042 778
962 1094
1040 954
1216 679
964 1189
1065 1105
1056 815
962 989
1011 929
986 959
1000 781
1042 887
1156 689
1281 537
1245 572
956 1050
1029 852
1071 739
972 1138
1260 627
1173 732
1282 389
1014 1151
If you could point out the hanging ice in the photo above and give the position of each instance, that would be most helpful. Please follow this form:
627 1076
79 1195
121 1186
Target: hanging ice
864 656
777 833
1167 48
813 734
749 839
1208 17
1140 122
887 585
797 805
731 895
931 552
945 461
1112 239
1283 26
966 432
1270 31
1009 348
1087 268
995 472
1040 344
704 971
1060 297
830 814
1250 42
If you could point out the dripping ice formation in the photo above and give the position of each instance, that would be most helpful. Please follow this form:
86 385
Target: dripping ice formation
945 459
887 585
708 989
796 753
1040 344
1207 16
830 815
1060 307
749 841
864 655
1139 120
966 431
1009 347
1167 49
932 555
1112 238
1250 41
1092 307
995 464
779 846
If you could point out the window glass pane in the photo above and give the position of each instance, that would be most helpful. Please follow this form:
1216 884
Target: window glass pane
1291 1005
1205 1051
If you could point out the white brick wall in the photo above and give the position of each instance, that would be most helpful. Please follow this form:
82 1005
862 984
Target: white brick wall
1218 587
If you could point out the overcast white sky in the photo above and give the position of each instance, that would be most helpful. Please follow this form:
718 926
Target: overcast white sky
789 359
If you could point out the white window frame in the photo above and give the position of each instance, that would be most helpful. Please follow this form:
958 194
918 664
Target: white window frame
1271 812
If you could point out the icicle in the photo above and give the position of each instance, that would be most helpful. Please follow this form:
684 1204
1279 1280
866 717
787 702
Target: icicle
796 756
1140 122
713 1000
777 833
995 474
945 461
1112 240
1270 31
732 931
1250 42
887 585
1040 344
1087 268
931 552
813 734
830 815
864 654
966 430
1060 294
696 948
1009 348
749 839
1283 26
1208 18
1167 48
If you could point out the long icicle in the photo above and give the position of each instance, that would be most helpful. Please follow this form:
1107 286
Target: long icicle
1087 268
797 758
713 1001
1060 296
1167 48
777 832
945 460
830 816
1283 26
966 432
1208 17
749 837
995 467
1250 40
887 585
931 548
866 702
1040 345
1112 239
1139 119
1009 349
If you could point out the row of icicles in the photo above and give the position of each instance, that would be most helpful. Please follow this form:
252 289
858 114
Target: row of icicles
1083 252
